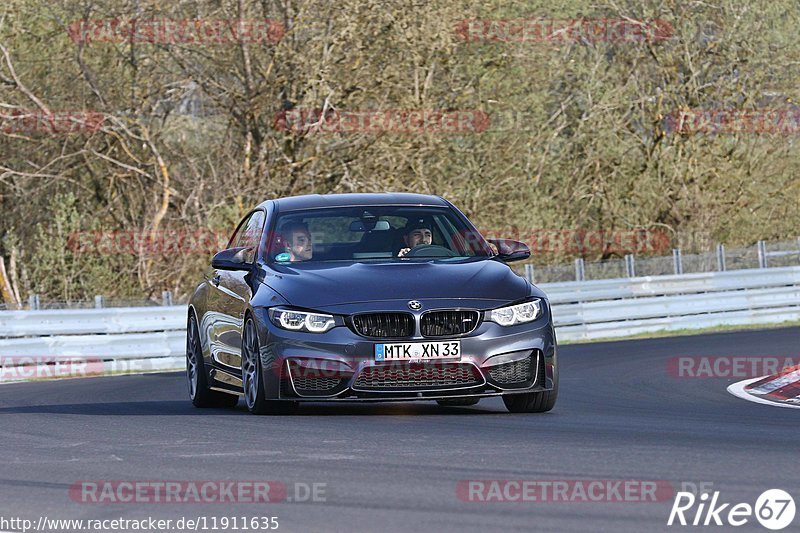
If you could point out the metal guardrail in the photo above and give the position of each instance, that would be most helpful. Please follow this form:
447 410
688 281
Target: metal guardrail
124 346
86 321
581 310
705 282
621 307
763 254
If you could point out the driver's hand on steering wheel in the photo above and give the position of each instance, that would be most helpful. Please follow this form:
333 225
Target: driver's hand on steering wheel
403 251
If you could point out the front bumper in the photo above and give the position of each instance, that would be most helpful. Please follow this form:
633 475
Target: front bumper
340 365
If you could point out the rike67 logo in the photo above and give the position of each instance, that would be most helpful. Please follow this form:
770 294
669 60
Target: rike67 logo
774 509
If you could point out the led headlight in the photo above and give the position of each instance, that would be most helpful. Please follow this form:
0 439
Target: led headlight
516 314
301 320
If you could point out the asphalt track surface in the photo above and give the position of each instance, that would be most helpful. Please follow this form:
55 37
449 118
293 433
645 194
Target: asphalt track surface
395 467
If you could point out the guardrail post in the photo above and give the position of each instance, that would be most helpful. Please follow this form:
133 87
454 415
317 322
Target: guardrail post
529 272
630 268
166 298
721 257
677 261
99 301
580 270
762 254
33 302
798 248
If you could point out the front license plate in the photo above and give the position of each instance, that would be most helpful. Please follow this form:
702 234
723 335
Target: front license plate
418 351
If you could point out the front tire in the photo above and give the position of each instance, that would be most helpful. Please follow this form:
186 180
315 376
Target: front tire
196 376
253 379
533 402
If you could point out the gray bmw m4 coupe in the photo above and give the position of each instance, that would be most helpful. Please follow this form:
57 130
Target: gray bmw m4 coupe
368 297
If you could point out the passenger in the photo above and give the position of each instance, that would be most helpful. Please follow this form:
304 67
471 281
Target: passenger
297 240
416 233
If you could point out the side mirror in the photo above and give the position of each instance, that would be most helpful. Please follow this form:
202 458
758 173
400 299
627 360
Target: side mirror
509 250
232 259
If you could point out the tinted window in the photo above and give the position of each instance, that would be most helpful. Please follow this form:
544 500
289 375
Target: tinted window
374 233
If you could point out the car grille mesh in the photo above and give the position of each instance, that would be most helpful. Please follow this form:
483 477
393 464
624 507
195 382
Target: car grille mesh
448 323
312 384
417 376
514 372
311 381
384 325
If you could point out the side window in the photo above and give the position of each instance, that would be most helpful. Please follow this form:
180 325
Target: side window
239 230
249 233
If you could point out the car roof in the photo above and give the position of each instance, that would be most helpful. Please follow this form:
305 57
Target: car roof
311 201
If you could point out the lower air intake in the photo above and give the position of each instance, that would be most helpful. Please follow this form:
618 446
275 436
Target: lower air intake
314 382
418 376
513 373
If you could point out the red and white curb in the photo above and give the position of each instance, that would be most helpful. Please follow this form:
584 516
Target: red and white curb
780 390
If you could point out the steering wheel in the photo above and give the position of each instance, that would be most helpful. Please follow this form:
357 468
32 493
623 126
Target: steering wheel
430 250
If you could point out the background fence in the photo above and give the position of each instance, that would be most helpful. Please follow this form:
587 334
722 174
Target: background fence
152 338
721 259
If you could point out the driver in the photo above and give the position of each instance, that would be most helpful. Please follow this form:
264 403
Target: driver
416 233
298 242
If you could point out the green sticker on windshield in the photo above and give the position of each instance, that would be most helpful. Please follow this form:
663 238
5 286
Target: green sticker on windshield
283 257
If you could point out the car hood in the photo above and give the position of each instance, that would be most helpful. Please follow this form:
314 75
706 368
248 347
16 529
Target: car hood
322 285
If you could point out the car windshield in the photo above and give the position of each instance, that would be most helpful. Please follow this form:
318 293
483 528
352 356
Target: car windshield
366 233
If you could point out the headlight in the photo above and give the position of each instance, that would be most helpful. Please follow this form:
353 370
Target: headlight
516 314
301 320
